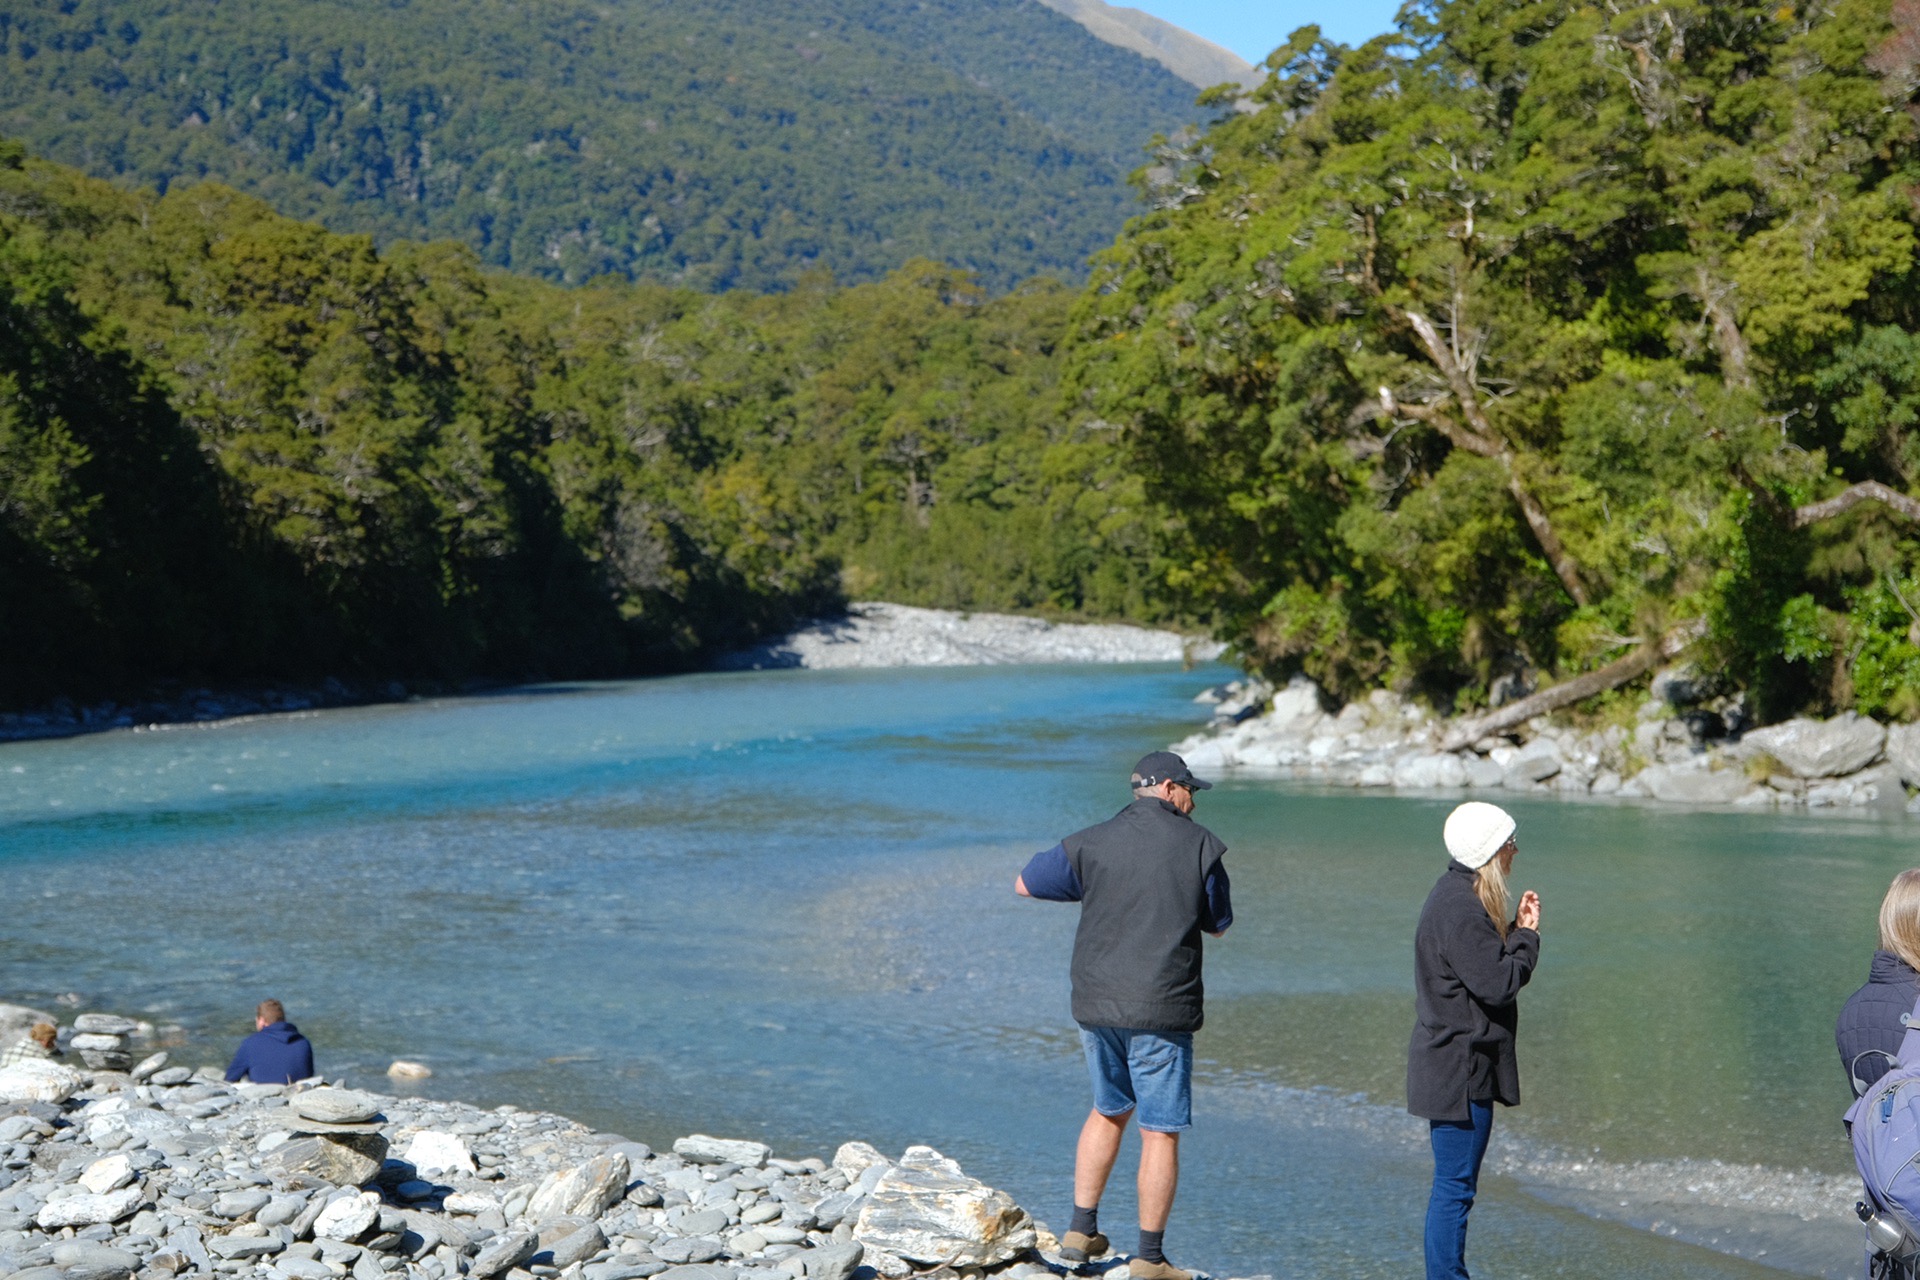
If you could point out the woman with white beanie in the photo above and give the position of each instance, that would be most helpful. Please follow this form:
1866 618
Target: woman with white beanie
1470 960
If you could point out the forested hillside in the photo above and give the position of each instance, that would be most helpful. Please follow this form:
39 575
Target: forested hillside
1544 335
1531 338
236 446
712 143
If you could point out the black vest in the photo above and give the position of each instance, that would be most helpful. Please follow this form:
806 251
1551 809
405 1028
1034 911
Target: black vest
1136 957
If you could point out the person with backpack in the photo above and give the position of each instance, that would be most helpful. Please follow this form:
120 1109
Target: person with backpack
1470 960
1869 1029
1869 1034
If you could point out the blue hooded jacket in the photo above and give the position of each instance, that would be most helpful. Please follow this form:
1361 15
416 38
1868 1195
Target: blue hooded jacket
276 1054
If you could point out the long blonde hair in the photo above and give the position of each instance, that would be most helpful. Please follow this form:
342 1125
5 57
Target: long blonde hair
1900 917
1490 882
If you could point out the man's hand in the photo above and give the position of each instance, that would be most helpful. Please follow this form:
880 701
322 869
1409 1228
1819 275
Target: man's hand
1529 917
1020 886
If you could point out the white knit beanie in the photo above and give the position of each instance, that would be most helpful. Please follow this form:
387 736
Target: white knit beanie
1476 831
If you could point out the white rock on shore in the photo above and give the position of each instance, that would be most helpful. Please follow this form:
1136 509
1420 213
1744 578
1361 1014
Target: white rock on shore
895 635
1683 753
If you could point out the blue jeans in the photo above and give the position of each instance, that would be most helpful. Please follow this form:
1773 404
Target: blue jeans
1458 1148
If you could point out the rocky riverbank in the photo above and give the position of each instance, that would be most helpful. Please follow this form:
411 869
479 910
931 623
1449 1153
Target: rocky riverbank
143 1168
1682 746
874 634
65 718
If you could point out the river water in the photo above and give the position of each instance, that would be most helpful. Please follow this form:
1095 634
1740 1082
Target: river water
778 905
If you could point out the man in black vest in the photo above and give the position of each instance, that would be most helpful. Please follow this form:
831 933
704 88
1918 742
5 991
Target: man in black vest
1149 881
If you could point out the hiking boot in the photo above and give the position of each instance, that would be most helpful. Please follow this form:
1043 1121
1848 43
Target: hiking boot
1075 1247
1141 1269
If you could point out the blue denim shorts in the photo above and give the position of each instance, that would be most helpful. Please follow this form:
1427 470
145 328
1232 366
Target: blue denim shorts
1147 1070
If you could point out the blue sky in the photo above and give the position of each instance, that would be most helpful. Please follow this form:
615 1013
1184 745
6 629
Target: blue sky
1252 28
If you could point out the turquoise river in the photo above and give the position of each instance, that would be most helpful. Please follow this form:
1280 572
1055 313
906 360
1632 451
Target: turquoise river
779 905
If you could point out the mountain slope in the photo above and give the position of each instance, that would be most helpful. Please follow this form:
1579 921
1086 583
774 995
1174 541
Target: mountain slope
716 143
1195 59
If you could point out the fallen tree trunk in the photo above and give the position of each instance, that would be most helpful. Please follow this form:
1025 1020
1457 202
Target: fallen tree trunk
1578 689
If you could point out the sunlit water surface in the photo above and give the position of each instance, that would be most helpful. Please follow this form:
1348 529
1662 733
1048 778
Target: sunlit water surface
778 905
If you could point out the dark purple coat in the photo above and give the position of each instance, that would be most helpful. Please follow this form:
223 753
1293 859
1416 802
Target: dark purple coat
1869 1030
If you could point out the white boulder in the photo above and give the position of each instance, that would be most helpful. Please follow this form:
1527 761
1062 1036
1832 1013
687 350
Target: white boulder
927 1210
109 1174
1820 748
88 1210
1903 752
1692 784
348 1218
586 1190
39 1081
432 1151
1427 771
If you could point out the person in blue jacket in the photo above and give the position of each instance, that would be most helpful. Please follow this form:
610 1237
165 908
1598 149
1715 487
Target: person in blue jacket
276 1052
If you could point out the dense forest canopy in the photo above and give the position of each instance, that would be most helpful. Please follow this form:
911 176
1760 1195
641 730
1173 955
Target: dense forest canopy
233 445
1529 337
1539 334
713 143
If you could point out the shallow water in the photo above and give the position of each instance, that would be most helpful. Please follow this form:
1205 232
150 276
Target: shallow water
777 904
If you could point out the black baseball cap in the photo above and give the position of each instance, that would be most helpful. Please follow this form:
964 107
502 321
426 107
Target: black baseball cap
1157 767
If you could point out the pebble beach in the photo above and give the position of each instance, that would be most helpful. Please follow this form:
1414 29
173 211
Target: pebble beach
160 1171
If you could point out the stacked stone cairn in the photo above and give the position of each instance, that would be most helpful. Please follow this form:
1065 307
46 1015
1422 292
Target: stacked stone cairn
1687 744
105 1176
101 1040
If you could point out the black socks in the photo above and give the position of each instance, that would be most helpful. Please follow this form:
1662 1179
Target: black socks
1086 1221
1150 1246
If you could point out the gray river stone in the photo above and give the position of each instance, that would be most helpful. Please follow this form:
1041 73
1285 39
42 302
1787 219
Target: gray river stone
624 1268
833 1261
504 1254
1536 762
240 1247
97 1260
105 1024
697 1273
705 1222
91 1041
576 1245
344 1159
170 1076
702 1149
235 1205
336 1106
584 1191
303 1268
689 1249
280 1210
149 1065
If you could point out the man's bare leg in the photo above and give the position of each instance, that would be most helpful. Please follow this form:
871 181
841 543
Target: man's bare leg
1159 1175
1093 1159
